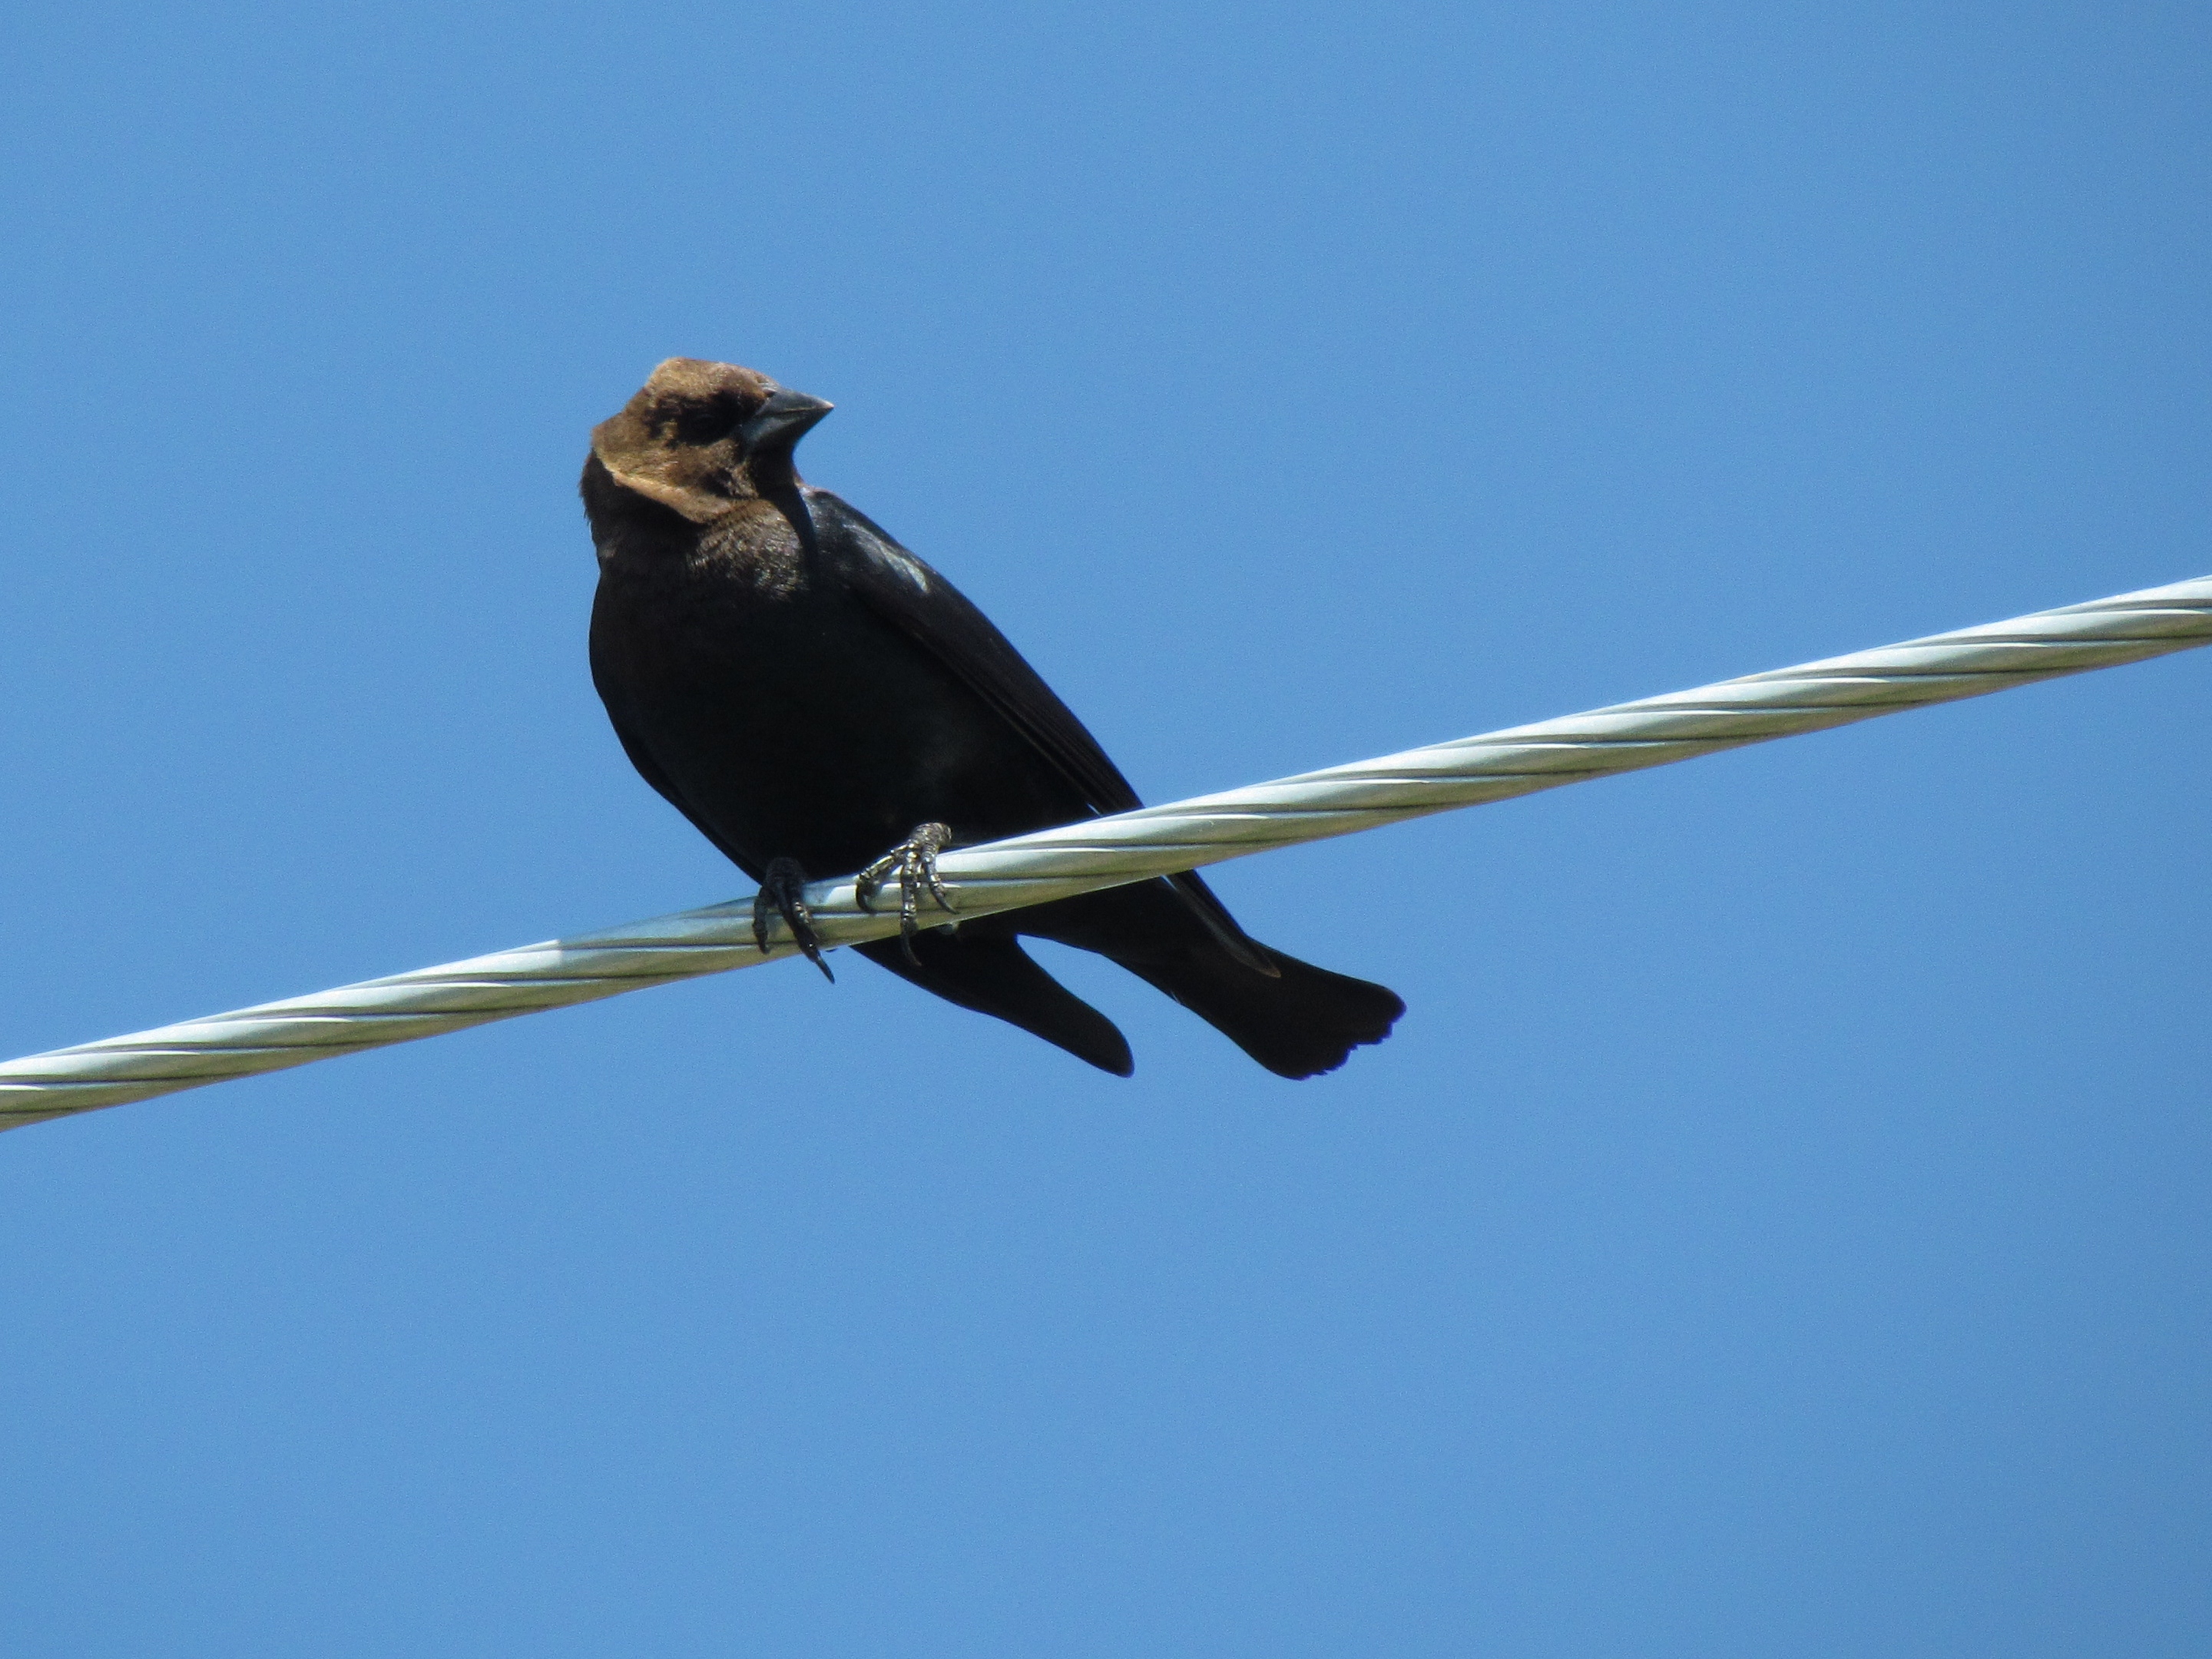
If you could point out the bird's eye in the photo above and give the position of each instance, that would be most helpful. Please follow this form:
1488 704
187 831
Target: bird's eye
705 424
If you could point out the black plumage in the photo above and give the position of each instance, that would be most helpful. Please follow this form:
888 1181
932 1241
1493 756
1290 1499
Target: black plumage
807 692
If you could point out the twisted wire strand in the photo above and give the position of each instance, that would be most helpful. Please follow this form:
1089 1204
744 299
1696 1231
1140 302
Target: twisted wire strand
1108 852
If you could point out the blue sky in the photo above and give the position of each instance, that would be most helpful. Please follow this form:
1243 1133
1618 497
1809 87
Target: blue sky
1779 1224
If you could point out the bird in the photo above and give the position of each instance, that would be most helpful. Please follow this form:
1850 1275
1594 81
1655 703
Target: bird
809 693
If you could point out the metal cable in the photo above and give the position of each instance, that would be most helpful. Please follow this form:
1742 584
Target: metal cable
1129 846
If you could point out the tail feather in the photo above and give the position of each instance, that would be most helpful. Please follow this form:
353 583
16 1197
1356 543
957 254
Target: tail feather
1295 1019
996 976
1302 1023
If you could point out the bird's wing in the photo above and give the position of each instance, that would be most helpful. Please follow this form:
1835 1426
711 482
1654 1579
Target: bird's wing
938 616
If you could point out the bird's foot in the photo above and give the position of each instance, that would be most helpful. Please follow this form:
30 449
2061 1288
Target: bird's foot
914 858
783 893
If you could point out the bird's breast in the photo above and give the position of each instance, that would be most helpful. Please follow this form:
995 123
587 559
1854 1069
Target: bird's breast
792 718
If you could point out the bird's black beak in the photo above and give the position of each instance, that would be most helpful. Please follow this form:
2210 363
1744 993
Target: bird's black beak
781 422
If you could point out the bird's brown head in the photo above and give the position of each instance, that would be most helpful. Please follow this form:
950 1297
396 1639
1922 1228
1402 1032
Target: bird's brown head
701 438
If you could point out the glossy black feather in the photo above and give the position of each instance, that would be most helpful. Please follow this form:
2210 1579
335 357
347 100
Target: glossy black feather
799 685
900 587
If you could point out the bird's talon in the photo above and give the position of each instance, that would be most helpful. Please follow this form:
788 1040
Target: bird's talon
864 884
783 893
915 859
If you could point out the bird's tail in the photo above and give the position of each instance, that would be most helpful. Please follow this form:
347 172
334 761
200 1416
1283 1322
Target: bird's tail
996 976
1302 1023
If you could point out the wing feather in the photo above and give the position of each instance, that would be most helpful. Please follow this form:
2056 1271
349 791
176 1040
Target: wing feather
928 610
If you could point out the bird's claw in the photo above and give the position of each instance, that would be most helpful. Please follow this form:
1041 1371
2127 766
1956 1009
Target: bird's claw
915 859
783 893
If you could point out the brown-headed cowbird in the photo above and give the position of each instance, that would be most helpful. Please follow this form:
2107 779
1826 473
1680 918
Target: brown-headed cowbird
809 693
